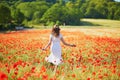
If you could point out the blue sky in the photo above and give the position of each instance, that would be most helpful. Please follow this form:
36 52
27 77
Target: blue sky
117 0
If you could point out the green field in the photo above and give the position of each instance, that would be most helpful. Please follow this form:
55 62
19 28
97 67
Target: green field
89 23
101 23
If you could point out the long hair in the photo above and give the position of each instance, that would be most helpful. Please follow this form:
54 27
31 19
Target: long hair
55 30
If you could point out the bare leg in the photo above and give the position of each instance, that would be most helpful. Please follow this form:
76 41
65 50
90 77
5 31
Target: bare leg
55 69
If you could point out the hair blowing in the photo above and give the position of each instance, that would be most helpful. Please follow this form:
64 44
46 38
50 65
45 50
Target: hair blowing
56 30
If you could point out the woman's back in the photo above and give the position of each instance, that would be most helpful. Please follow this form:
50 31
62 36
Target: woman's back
55 39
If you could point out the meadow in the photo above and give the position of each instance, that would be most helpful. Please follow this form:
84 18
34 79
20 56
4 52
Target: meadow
95 57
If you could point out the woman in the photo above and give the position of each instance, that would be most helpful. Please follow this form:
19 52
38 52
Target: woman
55 38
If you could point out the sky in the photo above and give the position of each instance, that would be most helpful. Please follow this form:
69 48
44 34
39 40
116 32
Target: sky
117 0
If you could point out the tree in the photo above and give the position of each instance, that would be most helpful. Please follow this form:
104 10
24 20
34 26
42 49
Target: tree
17 16
53 14
83 9
58 11
5 14
5 17
51 1
79 3
73 14
92 13
31 9
27 9
117 14
102 9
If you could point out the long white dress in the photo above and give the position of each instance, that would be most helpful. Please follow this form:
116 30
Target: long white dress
55 49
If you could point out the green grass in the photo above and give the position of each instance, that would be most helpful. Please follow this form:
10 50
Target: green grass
103 23
88 23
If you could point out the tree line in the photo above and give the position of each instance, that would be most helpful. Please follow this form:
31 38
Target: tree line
49 12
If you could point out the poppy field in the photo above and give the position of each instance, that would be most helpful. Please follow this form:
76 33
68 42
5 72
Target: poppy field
94 57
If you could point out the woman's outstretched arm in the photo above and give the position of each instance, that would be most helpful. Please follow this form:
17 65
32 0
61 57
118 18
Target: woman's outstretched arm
49 43
63 41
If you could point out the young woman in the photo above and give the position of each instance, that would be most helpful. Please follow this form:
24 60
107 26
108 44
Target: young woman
55 38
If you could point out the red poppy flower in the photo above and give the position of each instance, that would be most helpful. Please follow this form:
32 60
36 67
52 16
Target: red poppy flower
3 76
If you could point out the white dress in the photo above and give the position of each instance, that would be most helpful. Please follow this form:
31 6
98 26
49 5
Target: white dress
55 56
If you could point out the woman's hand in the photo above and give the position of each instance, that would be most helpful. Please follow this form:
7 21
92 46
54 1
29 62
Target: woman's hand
43 49
73 45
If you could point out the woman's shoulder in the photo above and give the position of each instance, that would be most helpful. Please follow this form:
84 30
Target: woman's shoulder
60 35
51 35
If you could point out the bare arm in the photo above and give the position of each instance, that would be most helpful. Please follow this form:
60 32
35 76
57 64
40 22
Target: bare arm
49 43
63 41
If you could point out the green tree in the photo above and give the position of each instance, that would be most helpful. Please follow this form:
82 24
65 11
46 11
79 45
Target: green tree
92 13
102 9
73 17
113 9
59 11
5 14
79 3
83 9
73 14
5 17
111 12
67 14
27 9
51 1
53 14
117 14
17 16
31 9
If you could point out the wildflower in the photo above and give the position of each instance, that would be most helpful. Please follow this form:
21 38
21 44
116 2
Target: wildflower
73 75
43 69
94 73
3 76
45 77
100 76
88 78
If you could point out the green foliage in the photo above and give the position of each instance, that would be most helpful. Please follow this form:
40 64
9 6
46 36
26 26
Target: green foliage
5 14
49 12
51 1
114 11
103 9
17 16
33 10
92 13
67 14
117 14
53 14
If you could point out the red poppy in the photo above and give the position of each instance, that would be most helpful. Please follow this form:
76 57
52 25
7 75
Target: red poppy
45 77
43 69
3 76
73 75
88 78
